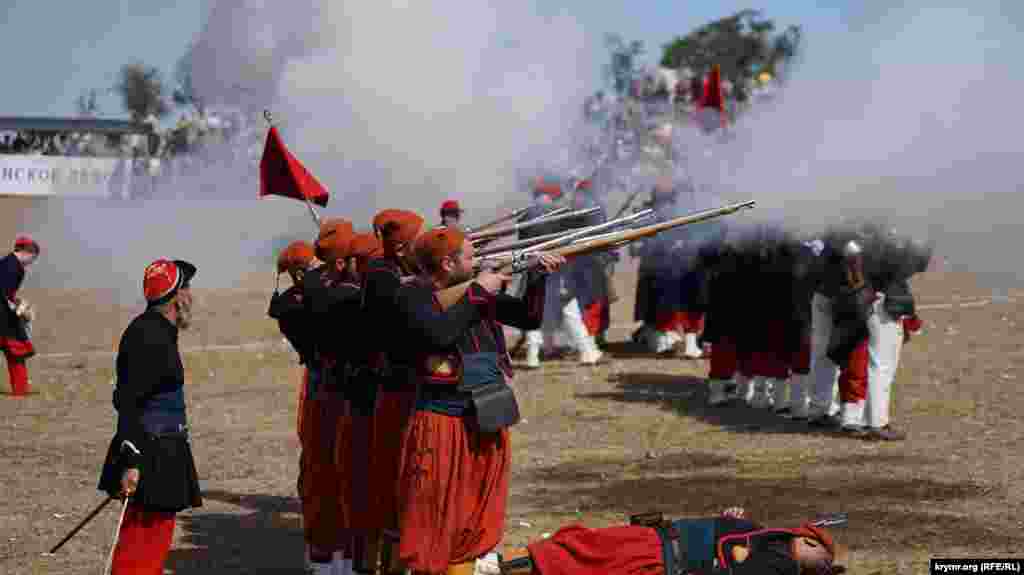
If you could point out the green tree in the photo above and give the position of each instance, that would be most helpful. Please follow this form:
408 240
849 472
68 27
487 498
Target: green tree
743 46
624 65
142 91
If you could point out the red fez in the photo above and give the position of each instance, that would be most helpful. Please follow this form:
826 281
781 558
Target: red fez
548 189
450 206
438 244
26 243
163 278
397 226
334 240
366 246
297 255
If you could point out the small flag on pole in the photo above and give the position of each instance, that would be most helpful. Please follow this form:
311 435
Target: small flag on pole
712 96
281 174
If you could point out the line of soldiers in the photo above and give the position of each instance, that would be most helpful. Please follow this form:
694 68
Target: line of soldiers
789 319
405 406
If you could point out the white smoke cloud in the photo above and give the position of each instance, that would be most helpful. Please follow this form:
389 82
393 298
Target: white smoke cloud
389 104
413 103
911 117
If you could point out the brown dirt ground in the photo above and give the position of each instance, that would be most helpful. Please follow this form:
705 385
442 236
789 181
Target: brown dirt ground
595 444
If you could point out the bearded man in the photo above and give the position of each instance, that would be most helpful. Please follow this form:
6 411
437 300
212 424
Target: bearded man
150 459
456 456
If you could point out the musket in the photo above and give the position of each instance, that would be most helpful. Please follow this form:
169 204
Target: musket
587 231
521 262
519 244
514 215
497 260
562 236
483 241
516 228
551 214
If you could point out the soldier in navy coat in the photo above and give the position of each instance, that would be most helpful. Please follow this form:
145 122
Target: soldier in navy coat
150 457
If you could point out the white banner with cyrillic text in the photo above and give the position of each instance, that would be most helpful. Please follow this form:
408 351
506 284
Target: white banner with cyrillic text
60 176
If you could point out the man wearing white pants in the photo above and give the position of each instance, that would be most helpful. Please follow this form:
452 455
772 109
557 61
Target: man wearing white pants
824 372
893 316
572 320
884 346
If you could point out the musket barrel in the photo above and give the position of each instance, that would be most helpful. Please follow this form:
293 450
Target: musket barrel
551 214
510 230
587 231
511 216
520 244
448 296
540 242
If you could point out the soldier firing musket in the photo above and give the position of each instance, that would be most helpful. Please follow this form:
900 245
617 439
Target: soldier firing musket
519 262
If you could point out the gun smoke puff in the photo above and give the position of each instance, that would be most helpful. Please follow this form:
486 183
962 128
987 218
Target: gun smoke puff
907 127
448 103
390 104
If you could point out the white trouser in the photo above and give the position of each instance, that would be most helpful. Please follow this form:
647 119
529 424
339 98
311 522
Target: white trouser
799 402
824 372
552 309
572 321
884 345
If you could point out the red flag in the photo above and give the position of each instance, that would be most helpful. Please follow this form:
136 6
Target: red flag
712 94
281 174
713 90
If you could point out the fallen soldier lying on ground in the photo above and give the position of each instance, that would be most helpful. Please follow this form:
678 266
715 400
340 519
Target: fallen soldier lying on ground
726 545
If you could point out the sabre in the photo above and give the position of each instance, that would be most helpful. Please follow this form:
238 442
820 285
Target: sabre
79 527
117 534
832 520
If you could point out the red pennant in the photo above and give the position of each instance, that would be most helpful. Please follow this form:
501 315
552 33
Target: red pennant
281 174
712 97
713 90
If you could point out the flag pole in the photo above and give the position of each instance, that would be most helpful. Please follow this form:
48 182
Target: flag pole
312 210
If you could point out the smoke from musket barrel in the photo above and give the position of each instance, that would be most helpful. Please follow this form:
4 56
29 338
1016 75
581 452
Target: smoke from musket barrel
873 127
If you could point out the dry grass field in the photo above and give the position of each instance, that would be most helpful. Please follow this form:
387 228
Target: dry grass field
595 444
